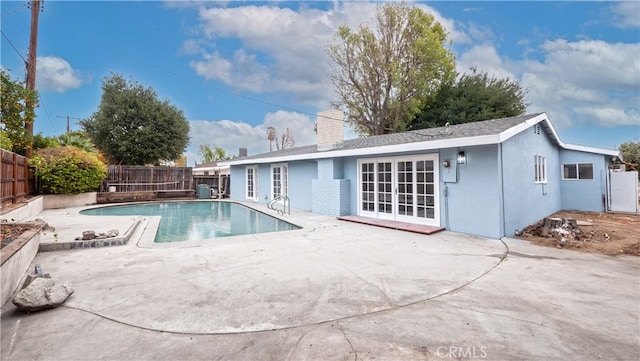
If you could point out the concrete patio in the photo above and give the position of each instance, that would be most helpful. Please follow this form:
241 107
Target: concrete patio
332 290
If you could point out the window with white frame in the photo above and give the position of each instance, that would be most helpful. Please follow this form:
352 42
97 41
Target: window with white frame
578 171
540 164
252 183
278 180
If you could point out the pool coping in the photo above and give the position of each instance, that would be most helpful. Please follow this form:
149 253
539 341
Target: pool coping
91 243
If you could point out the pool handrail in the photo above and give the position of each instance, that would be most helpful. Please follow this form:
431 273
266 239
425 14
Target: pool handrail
285 204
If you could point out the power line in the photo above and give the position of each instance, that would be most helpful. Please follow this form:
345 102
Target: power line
44 106
21 7
14 47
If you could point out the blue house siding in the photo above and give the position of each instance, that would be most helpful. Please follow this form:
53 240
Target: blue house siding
237 182
472 203
584 194
350 171
525 201
330 192
300 174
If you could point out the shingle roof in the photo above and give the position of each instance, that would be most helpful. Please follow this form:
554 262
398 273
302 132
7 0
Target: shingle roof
474 129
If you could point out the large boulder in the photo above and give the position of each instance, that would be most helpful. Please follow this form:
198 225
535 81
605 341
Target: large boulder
41 294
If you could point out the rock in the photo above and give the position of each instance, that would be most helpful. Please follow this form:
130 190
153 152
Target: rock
30 279
41 294
89 235
112 233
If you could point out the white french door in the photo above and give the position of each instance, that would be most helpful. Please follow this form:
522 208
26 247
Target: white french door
401 188
279 180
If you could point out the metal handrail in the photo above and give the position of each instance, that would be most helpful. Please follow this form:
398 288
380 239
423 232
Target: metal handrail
286 206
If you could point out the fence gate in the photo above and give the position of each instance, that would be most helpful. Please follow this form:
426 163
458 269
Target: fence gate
623 191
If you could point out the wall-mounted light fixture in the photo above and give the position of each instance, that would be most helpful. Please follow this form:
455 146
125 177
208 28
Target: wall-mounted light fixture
446 164
462 158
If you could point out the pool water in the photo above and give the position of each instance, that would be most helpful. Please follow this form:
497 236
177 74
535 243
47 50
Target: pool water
189 220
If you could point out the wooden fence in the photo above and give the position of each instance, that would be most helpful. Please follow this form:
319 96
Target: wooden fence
124 183
15 178
126 178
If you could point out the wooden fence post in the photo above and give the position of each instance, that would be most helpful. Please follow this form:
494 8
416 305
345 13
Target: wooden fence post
15 178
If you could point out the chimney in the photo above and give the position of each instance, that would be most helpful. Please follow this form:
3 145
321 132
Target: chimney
330 129
242 152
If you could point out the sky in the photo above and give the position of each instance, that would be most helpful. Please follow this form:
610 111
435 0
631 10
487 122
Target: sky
236 67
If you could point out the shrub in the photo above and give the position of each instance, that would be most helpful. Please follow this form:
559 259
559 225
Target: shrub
5 141
68 170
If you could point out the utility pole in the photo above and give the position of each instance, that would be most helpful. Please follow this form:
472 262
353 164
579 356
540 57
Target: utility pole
31 70
68 117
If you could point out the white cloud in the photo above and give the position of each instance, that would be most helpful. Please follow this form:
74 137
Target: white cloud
611 116
576 83
626 14
231 135
191 47
585 82
214 66
486 59
283 50
56 74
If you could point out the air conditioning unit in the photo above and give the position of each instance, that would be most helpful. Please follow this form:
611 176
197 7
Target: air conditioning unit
619 167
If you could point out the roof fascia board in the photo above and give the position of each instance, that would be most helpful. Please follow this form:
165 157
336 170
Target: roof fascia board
584 148
525 125
396 148
579 148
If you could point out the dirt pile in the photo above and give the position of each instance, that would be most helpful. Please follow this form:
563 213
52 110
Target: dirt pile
606 233
11 231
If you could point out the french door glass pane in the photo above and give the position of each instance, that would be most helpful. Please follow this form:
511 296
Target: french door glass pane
368 187
405 188
425 189
384 188
277 182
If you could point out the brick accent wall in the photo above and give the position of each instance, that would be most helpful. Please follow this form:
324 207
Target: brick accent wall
330 196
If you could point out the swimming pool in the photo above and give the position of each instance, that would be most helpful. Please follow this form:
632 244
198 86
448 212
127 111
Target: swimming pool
198 220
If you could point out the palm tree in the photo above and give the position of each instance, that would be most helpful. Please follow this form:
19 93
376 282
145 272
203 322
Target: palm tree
79 140
272 136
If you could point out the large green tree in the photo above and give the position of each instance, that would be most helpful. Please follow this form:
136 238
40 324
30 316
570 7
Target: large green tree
383 74
474 96
15 114
132 126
